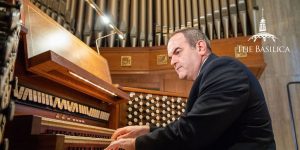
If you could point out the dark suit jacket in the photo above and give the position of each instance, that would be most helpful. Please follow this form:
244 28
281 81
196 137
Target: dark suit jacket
226 109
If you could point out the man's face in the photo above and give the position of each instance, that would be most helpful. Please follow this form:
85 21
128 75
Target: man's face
184 58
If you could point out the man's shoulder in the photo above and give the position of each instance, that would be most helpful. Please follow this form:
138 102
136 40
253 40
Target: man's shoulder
225 61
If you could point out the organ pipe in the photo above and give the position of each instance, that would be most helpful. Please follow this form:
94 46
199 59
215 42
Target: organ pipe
150 22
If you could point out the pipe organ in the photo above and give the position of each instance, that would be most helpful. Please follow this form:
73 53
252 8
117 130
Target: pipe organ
147 107
10 29
64 97
148 23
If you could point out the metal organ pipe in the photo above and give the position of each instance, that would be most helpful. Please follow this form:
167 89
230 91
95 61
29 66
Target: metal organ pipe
165 27
79 20
182 14
134 23
123 22
113 6
209 18
142 23
217 18
225 18
99 24
88 25
188 11
150 22
158 26
242 15
202 16
233 16
177 16
195 13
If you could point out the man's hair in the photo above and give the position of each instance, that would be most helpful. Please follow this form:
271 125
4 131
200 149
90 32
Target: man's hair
193 35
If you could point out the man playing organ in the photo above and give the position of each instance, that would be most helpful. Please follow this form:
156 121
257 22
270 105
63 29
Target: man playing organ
226 108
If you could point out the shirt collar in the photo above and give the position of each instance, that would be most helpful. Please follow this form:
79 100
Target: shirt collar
202 66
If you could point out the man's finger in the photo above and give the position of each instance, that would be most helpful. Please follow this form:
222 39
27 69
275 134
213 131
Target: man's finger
113 146
123 136
117 133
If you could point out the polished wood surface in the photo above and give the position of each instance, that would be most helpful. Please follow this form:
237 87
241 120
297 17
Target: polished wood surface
144 60
168 82
57 68
130 89
67 54
45 34
44 65
51 87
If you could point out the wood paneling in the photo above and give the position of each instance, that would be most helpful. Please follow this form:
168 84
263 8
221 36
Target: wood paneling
167 81
144 60
145 72
138 81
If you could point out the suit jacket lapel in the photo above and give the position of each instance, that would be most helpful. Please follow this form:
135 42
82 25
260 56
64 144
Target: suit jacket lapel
197 83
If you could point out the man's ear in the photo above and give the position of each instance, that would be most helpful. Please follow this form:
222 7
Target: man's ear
201 47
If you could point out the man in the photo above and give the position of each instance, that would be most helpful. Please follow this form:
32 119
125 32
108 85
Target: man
226 108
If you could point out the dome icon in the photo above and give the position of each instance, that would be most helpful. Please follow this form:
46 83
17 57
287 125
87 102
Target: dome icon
263 34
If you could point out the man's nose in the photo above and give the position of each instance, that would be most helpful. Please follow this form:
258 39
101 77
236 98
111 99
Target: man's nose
173 61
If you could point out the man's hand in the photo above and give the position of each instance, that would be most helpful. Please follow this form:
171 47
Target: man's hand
126 144
130 132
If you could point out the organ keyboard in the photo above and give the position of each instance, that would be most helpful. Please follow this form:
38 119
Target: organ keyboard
60 134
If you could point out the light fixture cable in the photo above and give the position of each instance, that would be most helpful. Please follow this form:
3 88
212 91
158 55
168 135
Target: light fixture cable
113 27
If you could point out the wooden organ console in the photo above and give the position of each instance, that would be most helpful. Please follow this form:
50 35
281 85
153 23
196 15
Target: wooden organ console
64 97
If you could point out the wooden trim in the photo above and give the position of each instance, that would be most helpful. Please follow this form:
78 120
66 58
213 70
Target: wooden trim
86 140
144 59
74 126
114 117
130 89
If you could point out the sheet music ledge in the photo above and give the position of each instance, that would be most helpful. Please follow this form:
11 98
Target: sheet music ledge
56 68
